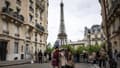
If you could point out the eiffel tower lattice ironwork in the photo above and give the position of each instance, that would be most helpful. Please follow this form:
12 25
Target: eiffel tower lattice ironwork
62 36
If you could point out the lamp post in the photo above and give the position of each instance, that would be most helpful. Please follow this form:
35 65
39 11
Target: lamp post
89 38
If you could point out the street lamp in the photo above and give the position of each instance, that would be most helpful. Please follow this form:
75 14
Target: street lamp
89 38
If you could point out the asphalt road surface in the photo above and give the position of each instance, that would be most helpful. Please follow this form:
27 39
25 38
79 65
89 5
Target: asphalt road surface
47 65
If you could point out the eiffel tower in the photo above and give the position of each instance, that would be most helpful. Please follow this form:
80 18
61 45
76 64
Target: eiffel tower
62 36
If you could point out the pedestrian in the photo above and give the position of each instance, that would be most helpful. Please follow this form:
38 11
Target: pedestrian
31 57
85 56
62 59
40 56
113 63
78 57
55 58
102 58
69 58
97 57
49 55
45 56
118 55
115 54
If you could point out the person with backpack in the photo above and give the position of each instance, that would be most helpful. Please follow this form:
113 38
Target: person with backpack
55 58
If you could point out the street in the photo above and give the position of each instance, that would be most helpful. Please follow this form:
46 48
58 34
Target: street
47 65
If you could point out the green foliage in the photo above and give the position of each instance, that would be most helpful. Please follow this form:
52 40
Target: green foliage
80 49
89 49
93 48
49 48
69 47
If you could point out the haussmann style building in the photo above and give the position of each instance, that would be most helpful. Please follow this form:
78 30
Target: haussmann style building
110 11
94 35
23 28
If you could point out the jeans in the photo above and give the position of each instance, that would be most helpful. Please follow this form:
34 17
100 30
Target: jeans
102 63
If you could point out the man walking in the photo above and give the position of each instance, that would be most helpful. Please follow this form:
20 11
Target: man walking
40 56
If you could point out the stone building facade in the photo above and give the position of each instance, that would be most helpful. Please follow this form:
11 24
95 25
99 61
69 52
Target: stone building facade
94 35
110 11
23 28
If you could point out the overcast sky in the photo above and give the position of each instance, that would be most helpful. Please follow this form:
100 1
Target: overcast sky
77 15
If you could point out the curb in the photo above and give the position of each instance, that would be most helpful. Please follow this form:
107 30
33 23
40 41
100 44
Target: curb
6 65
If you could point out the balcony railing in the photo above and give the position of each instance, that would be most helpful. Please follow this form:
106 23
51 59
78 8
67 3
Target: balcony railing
17 35
114 8
8 13
28 38
40 27
5 31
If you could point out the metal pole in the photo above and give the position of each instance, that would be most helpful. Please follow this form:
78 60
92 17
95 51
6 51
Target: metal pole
89 38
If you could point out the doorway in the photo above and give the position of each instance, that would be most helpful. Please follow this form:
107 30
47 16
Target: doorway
3 50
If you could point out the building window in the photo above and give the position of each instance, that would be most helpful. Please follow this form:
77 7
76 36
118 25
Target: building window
31 2
35 34
36 15
36 37
31 17
40 40
16 30
31 8
22 48
99 30
5 26
27 34
16 48
7 3
18 9
18 2
27 49
113 28
41 16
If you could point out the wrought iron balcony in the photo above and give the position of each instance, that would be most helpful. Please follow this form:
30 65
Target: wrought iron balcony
28 38
115 8
7 13
17 35
40 27
5 31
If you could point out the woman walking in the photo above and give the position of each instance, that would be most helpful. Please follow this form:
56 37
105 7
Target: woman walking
62 59
55 58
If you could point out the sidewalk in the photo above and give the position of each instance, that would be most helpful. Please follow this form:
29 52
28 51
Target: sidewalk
11 63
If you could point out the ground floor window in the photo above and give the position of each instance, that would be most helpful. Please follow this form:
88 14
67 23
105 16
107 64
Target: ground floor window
16 48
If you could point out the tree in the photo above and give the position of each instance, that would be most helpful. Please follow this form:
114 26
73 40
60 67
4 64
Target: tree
93 48
69 47
49 48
